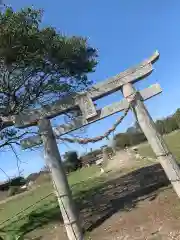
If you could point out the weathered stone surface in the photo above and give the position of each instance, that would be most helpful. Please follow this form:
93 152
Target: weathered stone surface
102 113
31 117
86 105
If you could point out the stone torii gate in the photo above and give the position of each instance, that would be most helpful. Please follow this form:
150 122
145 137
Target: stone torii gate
47 135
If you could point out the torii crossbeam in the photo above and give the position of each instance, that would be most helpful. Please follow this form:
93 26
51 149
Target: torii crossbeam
90 114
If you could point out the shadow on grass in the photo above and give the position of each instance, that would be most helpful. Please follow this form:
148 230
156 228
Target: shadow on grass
101 202
122 194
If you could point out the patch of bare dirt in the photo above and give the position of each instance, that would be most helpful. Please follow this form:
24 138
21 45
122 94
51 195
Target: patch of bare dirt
139 205
121 160
3 195
156 217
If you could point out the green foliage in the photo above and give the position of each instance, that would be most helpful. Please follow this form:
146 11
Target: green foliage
136 138
17 181
127 139
11 236
40 215
72 162
38 65
134 135
8 133
121 140
177 117
168 124
40 61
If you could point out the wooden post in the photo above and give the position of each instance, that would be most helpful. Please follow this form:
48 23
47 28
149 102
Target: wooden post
105 154
165 157
53 159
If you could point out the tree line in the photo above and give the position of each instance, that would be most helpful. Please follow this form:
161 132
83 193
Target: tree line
134 135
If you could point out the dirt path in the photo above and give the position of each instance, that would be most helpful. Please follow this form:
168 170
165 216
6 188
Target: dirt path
120 160
139 205
156 217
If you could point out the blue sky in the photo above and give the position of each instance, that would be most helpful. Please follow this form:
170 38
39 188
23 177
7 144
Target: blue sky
125 32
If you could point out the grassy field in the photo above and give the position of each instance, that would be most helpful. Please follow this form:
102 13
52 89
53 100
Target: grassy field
84 183
80 181
173 142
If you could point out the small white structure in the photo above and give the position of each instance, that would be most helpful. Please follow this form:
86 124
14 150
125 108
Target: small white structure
30 184
27 186
99 161
24 187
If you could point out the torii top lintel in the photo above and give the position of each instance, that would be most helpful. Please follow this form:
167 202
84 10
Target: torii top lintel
104 88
